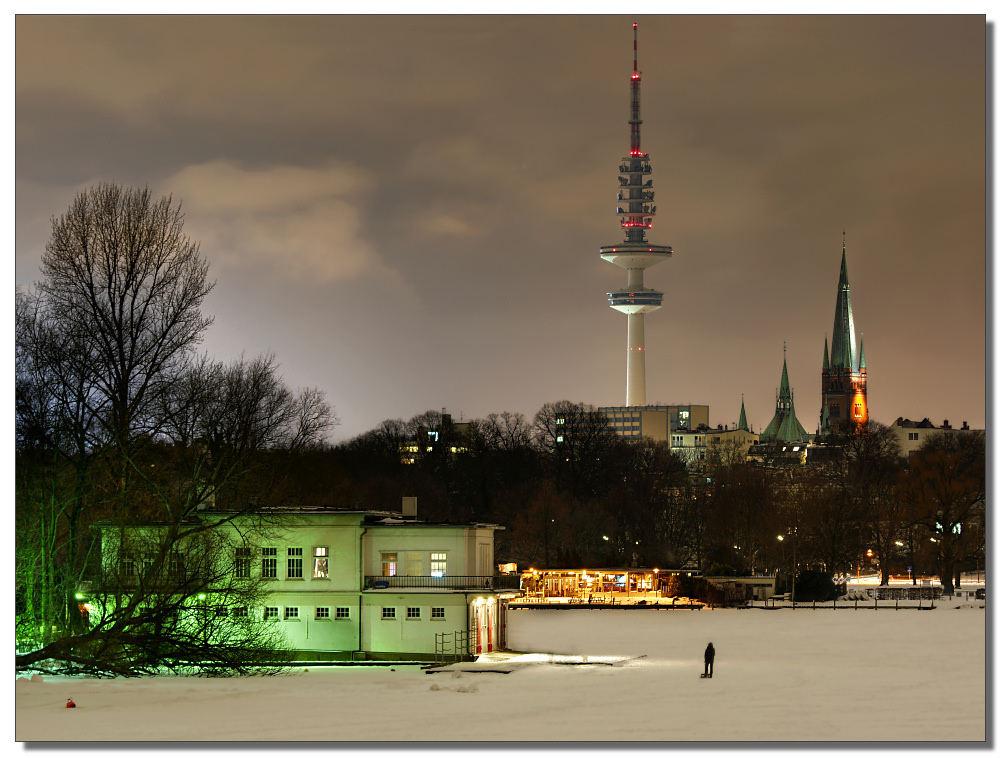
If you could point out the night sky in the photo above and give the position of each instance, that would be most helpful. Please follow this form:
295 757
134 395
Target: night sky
408 210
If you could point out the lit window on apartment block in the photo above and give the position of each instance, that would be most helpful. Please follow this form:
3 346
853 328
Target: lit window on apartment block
388 564
321 563
439 564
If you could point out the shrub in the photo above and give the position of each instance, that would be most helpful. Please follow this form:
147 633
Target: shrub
814 585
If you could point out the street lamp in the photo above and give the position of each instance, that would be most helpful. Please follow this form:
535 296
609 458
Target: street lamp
781 538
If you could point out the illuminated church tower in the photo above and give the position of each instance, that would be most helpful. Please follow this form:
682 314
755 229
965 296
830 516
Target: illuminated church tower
845 377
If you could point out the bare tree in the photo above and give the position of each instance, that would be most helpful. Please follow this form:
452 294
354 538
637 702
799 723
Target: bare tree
870 475
946 487
120 425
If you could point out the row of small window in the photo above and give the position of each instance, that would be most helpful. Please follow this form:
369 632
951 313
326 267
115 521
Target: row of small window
272 613
321 563
293 566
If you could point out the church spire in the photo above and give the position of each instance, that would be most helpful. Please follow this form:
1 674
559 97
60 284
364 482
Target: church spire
826 354
844 354
784 392
743 416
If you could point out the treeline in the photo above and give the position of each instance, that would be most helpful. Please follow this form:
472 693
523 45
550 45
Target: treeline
571 494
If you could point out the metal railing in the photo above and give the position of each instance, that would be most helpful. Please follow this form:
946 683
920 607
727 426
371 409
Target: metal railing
492 583
452 646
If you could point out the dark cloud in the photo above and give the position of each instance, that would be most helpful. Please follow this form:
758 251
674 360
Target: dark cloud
408 209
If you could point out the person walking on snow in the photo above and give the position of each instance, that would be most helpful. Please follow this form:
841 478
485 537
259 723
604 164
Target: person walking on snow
709 660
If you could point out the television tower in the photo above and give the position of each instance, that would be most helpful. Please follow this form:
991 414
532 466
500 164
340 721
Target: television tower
635 254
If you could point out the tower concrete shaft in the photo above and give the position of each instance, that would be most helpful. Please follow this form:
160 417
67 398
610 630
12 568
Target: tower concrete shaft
635 253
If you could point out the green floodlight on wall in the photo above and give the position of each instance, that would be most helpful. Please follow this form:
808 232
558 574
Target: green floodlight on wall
79 596
201 596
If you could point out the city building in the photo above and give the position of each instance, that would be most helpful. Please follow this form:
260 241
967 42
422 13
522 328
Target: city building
695 445
845 376
913 434
635 253
654 421
784 426
360 585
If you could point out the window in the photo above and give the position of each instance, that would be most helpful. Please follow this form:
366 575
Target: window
560 421
291 613
559 438
128 566
439 564
240 612
270 613
321 563
437 613
388 613
413 613
221 612
269 563
343 613
176 567
242 563
322 612
388 564
294 563
414 564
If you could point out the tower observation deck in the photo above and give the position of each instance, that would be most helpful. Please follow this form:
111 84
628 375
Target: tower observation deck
635 253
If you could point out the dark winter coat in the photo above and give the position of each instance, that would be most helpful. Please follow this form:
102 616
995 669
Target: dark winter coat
709 653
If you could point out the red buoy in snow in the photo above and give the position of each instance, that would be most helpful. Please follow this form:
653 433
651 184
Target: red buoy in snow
70 703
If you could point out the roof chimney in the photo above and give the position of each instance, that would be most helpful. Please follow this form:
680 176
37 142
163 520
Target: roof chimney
409 507
965 425
945 425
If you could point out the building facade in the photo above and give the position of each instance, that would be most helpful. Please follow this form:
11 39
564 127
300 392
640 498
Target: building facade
657 422
913 434
367 585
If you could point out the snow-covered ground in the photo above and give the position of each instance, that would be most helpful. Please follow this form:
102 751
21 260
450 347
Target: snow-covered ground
780 675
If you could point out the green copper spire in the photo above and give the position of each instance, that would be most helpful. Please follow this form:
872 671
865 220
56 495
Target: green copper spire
844 354
862 366
743 417
784 426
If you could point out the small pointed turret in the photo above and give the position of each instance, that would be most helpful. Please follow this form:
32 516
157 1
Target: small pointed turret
862 359
826 354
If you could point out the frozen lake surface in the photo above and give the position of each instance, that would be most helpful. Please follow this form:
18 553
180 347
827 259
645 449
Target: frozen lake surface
780 675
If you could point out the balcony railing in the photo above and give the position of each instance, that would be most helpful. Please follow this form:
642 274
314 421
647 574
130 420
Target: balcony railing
502 582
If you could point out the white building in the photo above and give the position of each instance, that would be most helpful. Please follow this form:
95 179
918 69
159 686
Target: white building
913 434
369 585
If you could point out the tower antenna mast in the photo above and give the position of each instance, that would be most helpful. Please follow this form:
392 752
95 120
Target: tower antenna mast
635 253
